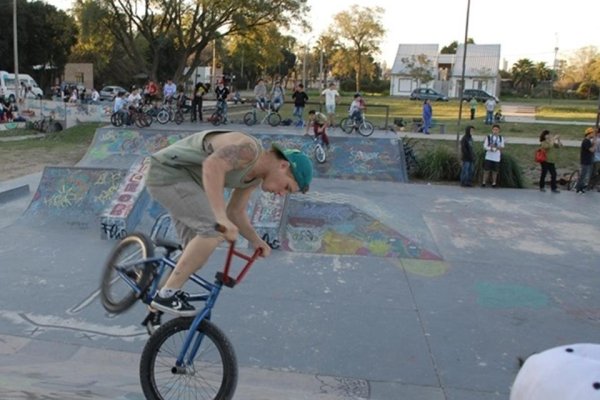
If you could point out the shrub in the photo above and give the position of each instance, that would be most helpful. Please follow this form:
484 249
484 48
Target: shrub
438 164
509 175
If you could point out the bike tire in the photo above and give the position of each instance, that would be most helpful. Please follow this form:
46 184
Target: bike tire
366 128
116 120
573 179
216 118
137 120
178 117
214 371
146 120
347 125
274 119
249 118
320 154
163 116
115 295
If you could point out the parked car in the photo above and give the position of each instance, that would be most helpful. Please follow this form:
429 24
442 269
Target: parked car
7 86
427 93
479 95
109 92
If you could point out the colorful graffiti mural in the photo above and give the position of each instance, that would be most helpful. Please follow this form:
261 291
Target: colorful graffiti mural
74 194
337 228
352 157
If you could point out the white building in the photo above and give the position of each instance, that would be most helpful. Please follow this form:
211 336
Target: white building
414 62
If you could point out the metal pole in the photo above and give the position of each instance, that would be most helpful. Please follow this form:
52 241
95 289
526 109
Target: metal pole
462 78
213 78
16 50
321 77
304 68
553 75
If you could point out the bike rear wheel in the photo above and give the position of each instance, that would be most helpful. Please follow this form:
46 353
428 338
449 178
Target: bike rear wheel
573 179
115 294
366 128
347 125
212 374
320 154
178 117
249 118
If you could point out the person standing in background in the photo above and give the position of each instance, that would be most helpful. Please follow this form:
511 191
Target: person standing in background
586 159
427 116
468 157
549 143
473 106
199 90
330 100
490 106
300 99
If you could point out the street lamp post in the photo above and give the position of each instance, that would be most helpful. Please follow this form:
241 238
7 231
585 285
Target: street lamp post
553 74
462 77
16 50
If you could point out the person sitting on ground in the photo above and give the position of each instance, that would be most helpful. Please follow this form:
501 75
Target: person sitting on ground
319 122
189 177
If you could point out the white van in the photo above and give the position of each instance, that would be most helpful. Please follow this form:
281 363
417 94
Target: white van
7 86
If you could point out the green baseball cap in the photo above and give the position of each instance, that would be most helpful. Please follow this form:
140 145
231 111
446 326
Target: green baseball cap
300 164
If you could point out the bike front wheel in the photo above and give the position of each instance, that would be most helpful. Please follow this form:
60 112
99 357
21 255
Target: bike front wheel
116 120
274 119
366 128
178 117
320 154
211 374
573 179
163 116
127 257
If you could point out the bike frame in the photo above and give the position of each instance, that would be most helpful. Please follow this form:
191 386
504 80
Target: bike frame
163 263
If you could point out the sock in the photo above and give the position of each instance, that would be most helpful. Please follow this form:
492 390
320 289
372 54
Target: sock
166 292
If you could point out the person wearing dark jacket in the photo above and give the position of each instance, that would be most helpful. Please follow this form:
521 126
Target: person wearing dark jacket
200 89
468 157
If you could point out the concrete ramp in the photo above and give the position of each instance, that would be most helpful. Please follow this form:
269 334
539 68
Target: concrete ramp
74 196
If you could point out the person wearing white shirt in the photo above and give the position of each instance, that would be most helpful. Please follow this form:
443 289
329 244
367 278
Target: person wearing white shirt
493 145
490 105
330 100
169 90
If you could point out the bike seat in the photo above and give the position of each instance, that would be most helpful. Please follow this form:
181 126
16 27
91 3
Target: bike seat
169 245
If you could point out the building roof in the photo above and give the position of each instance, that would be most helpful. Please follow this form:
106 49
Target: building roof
482 60
406 51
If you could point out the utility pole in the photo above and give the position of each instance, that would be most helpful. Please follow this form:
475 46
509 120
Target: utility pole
321 76
304 68
554 68
16 50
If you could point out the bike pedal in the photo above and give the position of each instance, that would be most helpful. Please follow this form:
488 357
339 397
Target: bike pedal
152 321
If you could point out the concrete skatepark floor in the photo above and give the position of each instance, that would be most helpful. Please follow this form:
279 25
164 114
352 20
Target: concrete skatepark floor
405 292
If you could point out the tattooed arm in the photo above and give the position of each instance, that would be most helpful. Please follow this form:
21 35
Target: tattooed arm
229 153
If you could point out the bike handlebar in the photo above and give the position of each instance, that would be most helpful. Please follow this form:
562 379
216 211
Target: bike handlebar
224 276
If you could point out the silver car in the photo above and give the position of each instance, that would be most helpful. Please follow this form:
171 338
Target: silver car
427 93
110 92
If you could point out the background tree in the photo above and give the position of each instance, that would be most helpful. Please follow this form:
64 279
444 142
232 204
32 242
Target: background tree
187 27
45 38
523 72
419 68
359 31
452 47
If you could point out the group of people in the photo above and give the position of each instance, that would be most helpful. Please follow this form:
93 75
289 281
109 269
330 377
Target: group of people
493 145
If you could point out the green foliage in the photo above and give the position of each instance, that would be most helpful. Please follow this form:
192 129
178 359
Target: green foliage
438 164
510 173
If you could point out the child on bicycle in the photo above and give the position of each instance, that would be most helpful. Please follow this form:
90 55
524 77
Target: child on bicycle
222 92
189 177
319 122
356 108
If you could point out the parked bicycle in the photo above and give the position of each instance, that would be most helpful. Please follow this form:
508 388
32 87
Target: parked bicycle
47 124
219 117
594 182
187 357
364 127
271 115
410 158
318 149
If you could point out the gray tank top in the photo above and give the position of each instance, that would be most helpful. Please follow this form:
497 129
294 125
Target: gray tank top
183 160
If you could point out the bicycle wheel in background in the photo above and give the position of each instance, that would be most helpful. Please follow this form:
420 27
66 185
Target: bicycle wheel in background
163 116
216 118
320 154
573 179
129 254
178 117
116 119
212 374
347 125
249 118
274 119
366 128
